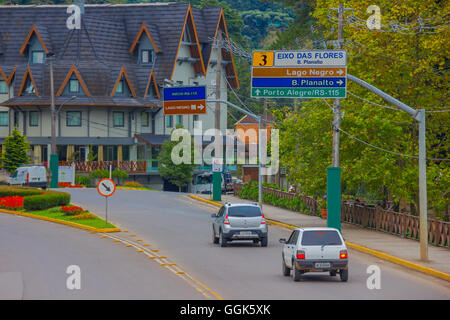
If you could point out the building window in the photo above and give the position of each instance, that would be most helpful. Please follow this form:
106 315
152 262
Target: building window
37 57
4 118
34 118
119 88
195 119
3 87
29 88
145 119
74 86
146 56
179 120
118 119
169 123
73 118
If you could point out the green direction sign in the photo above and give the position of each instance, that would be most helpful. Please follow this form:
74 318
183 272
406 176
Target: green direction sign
299 92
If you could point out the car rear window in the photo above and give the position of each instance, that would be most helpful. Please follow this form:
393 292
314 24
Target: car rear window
320 238
244 211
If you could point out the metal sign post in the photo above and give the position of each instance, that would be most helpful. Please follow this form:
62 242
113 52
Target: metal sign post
106 188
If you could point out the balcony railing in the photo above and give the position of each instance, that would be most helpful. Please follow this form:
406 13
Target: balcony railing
127 166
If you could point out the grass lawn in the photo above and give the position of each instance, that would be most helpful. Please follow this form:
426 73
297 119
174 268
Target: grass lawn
56 213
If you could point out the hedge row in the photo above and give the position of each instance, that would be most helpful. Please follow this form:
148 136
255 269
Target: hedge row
6 191
45 201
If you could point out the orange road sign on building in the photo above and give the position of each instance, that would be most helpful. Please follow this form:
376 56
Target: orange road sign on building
185 107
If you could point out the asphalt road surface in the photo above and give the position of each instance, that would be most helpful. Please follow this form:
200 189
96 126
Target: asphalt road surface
181 229
35 255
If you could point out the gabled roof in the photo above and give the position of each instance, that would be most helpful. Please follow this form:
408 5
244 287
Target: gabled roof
143 29
152 80
24 82
40 35
73 70
123 73
195 50
8 75
230 68
102 47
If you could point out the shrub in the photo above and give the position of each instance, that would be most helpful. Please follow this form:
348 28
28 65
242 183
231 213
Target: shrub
119 174
132 184
18 191
99 174
82 180
47 200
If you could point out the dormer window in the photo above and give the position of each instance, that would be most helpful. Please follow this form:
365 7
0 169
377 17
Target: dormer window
119 89
3 87
74 86
29 87
146 56
37 56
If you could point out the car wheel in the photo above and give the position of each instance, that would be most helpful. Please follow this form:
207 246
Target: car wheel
264 241
333 273
296 274
284 269
222 240
215 239
344 275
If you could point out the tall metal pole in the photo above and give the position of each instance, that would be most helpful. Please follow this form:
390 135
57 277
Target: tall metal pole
260 200
423 187
218 80
54 159
419 116
337 102
52 109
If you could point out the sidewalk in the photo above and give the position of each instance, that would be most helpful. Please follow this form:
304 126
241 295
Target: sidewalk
406 249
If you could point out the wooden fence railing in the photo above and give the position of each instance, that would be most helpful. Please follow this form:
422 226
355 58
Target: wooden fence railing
376 218
87 167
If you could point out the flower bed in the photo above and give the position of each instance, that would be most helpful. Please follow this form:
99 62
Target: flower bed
12 203
72 210
68 185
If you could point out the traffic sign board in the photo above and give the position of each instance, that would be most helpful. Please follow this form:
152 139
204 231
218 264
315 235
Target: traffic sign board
299 74
298 92
185 100
106 187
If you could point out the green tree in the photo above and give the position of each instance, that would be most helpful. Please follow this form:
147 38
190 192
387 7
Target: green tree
15 151
178 174
411 67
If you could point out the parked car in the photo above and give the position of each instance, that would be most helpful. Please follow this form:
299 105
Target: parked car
314 250
239 221
31 176
203 183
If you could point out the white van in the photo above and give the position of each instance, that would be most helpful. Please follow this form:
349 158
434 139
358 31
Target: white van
31 176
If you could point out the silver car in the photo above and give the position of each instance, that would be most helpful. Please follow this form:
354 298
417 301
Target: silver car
239 221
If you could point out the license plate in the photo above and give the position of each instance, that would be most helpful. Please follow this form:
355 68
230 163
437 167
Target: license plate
246 233
322 265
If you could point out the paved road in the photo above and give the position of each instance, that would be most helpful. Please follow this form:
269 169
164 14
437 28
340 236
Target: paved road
181 228
34 256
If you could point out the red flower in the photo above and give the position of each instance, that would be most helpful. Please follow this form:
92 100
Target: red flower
12 203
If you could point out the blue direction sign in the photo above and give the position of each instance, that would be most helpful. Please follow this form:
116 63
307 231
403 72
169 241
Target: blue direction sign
299 74
184 93
184 100
298 82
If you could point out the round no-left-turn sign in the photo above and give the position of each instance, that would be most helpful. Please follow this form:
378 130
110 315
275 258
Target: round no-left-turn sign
106 187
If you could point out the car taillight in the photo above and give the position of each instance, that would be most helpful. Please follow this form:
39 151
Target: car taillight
28 177
263 220
343 254
301 254
226 219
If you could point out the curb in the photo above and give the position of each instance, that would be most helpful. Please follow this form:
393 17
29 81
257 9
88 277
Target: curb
378 254
67 223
